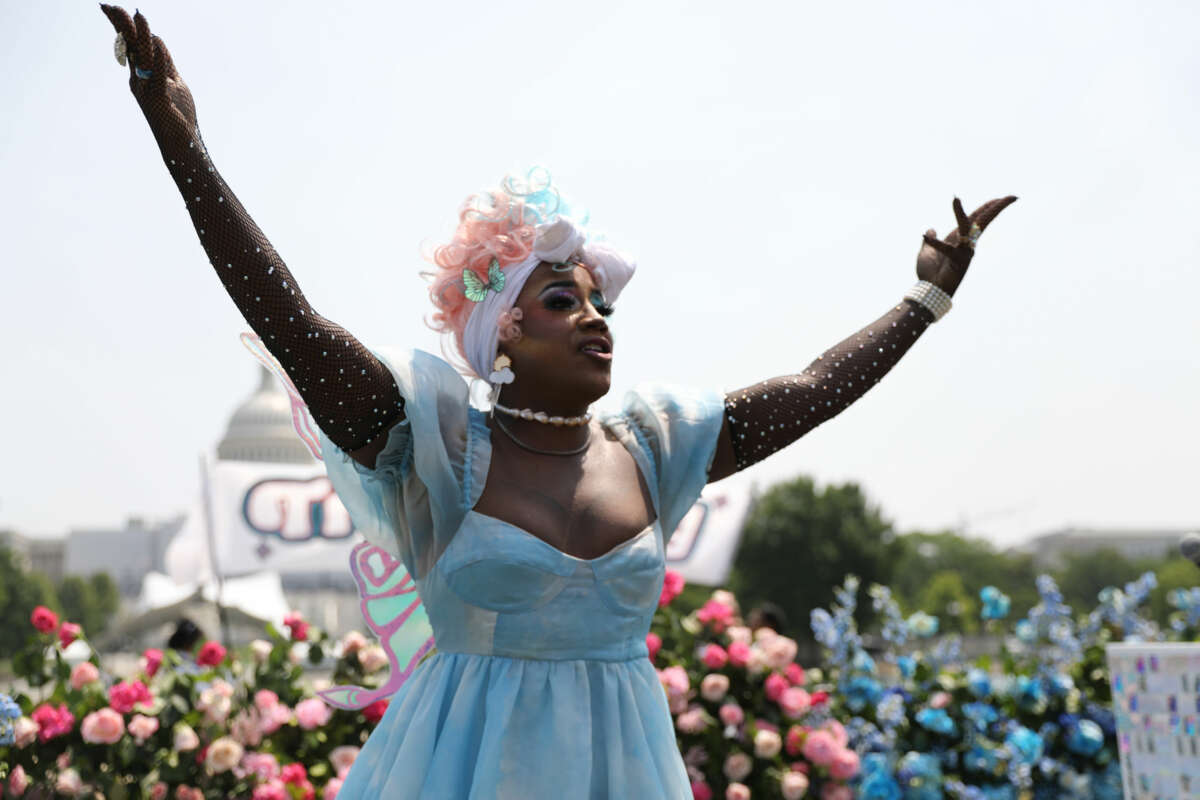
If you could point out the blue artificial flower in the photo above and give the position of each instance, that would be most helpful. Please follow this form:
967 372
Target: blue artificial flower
1024 745
922 624
878 786
1028 694
907 665
1086 738
1060 684
995 603
981 714
1102 716
863 662
861 691
981 759
978 682
9 711
937 721
921 775
890 710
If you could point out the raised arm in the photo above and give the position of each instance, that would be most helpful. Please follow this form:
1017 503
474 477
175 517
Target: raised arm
766 417
349 391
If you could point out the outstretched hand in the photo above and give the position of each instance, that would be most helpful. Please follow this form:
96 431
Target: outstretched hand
161 93
944 263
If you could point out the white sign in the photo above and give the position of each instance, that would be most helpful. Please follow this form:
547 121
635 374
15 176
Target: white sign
1156 700
706 540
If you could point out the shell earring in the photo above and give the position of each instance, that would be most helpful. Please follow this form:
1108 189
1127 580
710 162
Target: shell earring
501 370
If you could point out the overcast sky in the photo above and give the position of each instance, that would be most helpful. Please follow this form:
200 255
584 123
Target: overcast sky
771 165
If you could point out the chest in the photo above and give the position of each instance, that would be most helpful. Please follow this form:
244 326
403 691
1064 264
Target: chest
583 506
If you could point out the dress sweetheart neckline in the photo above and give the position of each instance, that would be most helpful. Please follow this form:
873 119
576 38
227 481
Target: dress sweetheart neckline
607 553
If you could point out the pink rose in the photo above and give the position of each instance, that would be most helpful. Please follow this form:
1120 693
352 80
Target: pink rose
271 790
185 739
794 702
294 773
52 721
844 765
374 712
297 625
939 700
265 699
779 651
820 748
83 673
793 785
739 633
159 791
43 619
331 789
312 713
25 731
372 658
716 615
352 642
775 686
102 727
246 727
263 766
714 687
714 656
126 694
691 721
223 755
739 654
836 791
672 585
794 741
152 659
342 758
737 791
795 674
727 598
18 781
767 744
142 727
68 632
731 714
653 645
675 681
188 793
211 654
837 731
701 791
69 783
737 766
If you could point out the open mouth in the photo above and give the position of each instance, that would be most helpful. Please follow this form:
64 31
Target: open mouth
597 348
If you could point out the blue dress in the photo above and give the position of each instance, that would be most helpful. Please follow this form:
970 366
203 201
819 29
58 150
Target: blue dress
540 686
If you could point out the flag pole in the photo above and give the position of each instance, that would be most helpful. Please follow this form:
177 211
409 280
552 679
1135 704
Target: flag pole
212 551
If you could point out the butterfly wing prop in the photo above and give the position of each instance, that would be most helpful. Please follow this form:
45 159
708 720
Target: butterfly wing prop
394 612
301 420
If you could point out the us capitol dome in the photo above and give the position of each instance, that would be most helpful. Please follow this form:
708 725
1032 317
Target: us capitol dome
260 429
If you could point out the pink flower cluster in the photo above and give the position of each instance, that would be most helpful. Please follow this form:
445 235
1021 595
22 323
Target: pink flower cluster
52 721
297 626
125 695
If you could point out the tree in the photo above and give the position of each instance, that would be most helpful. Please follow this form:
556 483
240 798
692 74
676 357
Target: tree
946 598
20 593
924 555
107 597
800 541
1175 573
79 603
1085 574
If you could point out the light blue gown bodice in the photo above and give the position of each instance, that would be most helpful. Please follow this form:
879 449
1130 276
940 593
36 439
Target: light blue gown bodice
540 686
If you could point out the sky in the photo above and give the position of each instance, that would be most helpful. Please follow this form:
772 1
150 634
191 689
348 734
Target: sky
771 165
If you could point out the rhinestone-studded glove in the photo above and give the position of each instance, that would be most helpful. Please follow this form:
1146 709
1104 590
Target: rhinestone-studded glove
350 392
768 416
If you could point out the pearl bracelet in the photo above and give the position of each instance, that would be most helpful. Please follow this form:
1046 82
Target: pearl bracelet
931 297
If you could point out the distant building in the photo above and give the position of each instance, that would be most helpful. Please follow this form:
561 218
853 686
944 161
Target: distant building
36 554
1051 550
260 429
126 554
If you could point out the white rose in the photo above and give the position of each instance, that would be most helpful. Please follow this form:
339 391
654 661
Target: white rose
223 754
714 687
794 785
737 766
260 650
69 783
767 744
25 732
186 738
372 658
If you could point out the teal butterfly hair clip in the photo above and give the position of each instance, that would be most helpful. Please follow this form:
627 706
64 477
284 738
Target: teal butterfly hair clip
476 289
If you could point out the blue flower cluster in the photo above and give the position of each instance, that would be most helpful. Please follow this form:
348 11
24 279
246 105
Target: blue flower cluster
9 712
995 603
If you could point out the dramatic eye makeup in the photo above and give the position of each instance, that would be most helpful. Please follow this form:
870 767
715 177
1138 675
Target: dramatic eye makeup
564 296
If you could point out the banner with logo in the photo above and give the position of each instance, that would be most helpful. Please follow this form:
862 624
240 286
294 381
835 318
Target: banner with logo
287 518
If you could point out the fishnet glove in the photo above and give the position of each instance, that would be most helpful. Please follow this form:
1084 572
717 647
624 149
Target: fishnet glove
350 392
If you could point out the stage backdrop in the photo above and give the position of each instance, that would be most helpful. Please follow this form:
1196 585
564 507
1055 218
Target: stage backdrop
286 518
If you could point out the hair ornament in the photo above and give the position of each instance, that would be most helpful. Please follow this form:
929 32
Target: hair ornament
475 289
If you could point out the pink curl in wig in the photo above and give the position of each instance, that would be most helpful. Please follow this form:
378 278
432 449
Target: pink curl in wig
498 224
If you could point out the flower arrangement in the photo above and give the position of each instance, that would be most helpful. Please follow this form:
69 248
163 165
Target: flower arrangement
213 725
749 720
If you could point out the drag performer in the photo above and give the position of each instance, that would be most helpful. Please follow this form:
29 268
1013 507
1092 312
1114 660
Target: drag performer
535 532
